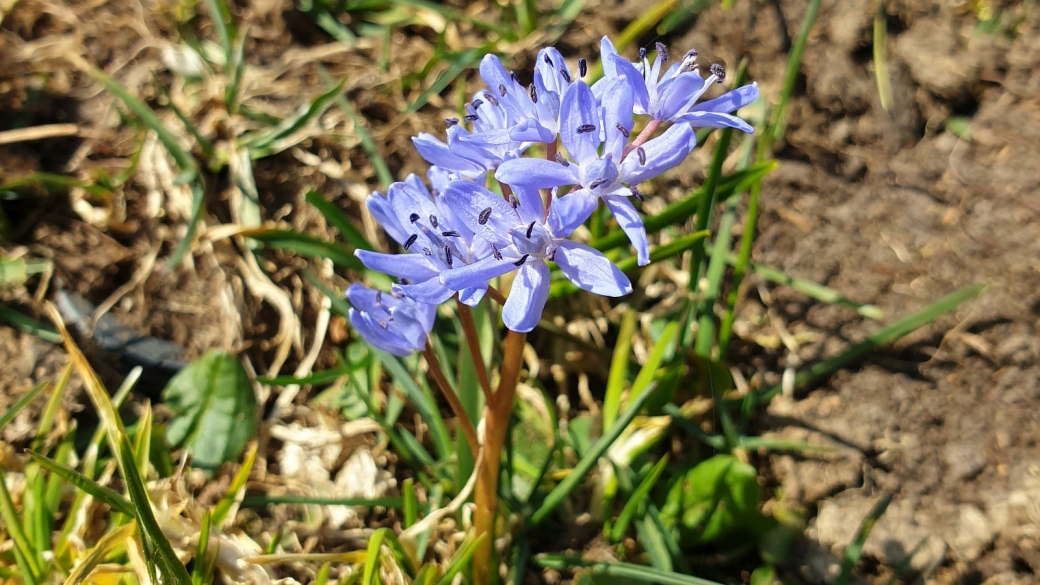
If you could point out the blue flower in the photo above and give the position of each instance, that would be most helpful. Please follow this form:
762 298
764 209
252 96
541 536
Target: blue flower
521 238
436 241
673 96
390 322
612 176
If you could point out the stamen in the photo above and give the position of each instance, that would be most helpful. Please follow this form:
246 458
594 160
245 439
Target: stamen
598 183
477 103
521 261
502 89
379 298
586 128
495 252
484 215
689 61
583 67
451 122
561 160
383 324
662 52
514 201
534 93
637 194
433 221
413 217
512 76
624 131
718 71
472 117
451 234
491 99
447 255
530 229
642 52
427 251
642 155
547 60
566 74
411 240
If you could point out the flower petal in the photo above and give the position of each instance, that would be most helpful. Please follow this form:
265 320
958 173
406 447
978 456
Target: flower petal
629 221
628 72
530 290
662 153
470 201
535 172
501 85
529 204
676 94
570 211
471 296
479 273
438 153
590 270
578 112
377 336
730 101
431 292
379 205
617 111
414 267
714 120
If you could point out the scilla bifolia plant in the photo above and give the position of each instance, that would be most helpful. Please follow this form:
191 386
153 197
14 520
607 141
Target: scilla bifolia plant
460 236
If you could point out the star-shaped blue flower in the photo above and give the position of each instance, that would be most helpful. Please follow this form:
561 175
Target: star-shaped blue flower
389 321
522 238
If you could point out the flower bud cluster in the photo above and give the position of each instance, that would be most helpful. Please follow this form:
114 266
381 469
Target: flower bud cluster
456 238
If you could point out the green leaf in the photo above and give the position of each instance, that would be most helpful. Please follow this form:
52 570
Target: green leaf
215 409
716 498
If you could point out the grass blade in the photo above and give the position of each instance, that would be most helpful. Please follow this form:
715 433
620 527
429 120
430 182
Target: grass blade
21 404
659 254
236 489
163 556
794 61
619 369
27 324
639 497
267 142
306 246
881 73
31 570
681 210
339 220
99 492
855 548
422 401
565 487
813 290
881 337
395 502
638 573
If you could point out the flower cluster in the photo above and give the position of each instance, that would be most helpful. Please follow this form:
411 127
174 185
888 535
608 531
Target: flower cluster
459 236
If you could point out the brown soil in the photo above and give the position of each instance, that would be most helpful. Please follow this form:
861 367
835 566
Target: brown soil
887 207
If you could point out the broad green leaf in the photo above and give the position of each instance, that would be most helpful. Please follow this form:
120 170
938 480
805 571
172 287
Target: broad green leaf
716 498
215 409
